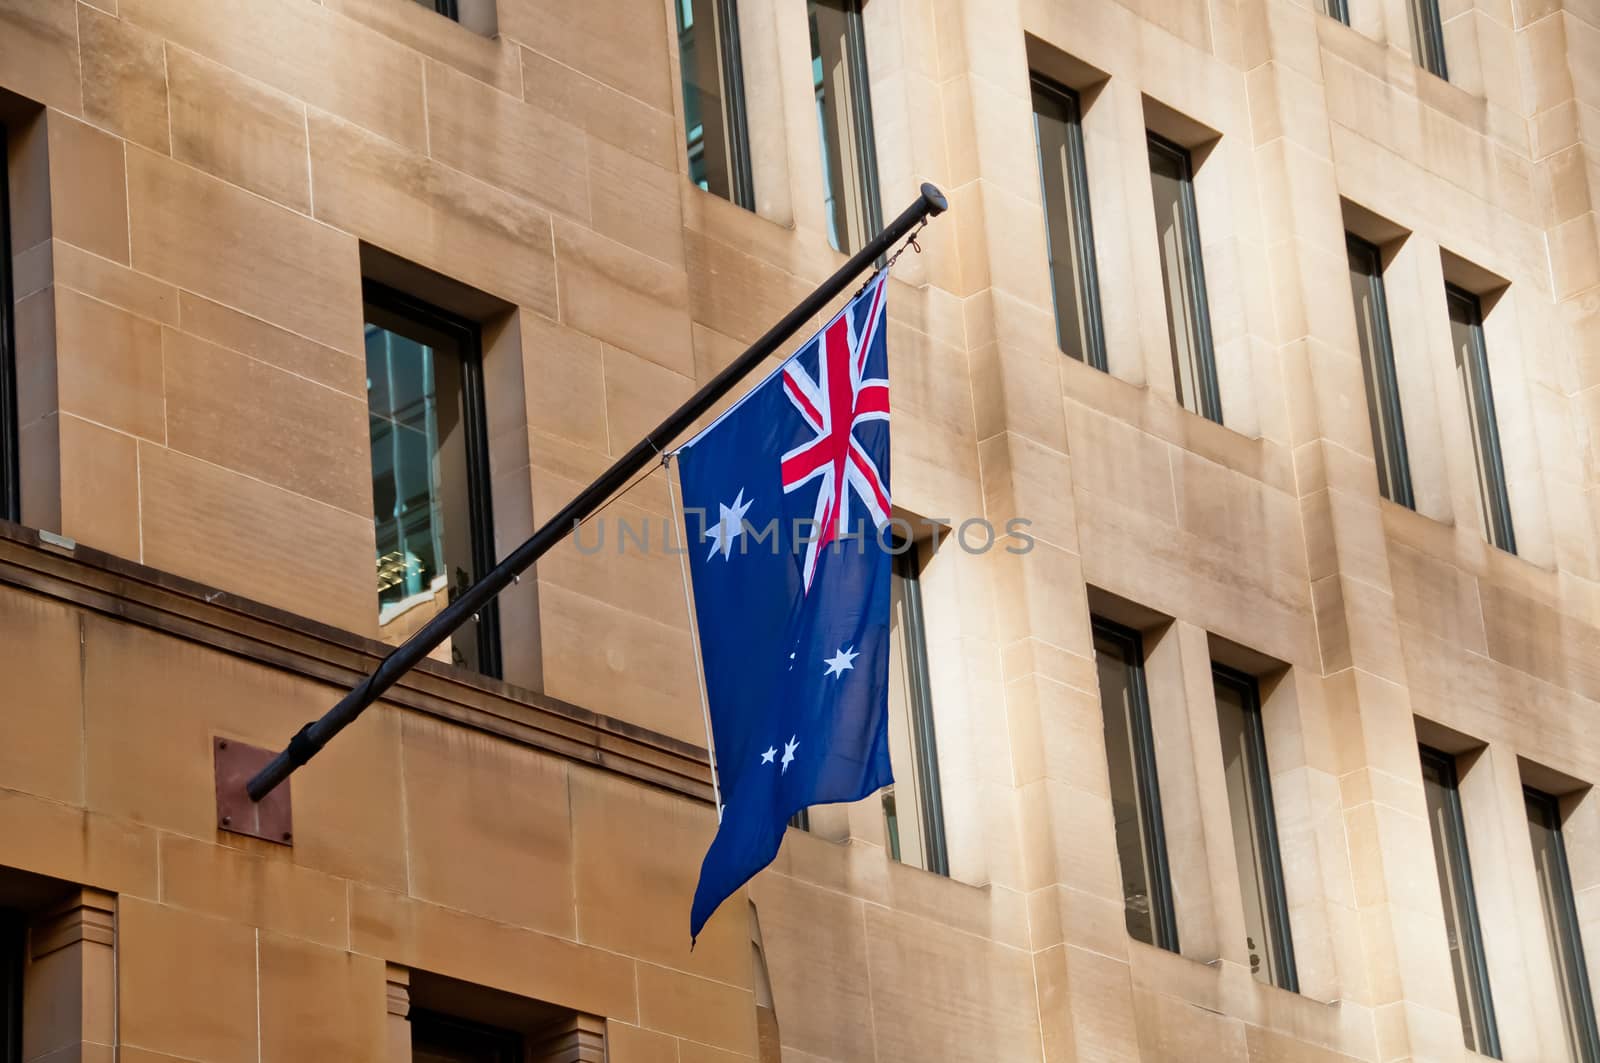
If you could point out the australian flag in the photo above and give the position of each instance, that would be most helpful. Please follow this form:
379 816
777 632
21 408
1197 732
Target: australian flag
788 496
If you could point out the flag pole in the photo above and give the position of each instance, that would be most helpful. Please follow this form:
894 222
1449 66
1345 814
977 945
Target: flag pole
310 739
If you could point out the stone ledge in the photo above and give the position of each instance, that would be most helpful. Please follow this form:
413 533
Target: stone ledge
133 593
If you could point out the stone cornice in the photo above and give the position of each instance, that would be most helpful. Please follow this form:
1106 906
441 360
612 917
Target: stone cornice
132 593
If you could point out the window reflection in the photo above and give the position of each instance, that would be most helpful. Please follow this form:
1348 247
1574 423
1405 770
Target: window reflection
1069 237
1183 278
1561 925
844 123
717 140
431 518
1135 793
1460 905
1244 764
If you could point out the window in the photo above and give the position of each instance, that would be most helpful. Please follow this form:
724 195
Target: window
1427 36
437 1038
1337 9
1561 925
844 123
1472 367
718 138
1135 795
1183 278
430 470
1255 830
10 466
447 8
13 938
912 810
1460 906
1377 367
1069 237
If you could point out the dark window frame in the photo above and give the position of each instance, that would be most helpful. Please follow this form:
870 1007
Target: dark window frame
1163 913
924 743
468 334
735 116
1427 37
1210 398
1394 471
1270 864
10 444
866 142
448 8
1576 974
1484 426
490 1044
1471 932
1339 10
1077 188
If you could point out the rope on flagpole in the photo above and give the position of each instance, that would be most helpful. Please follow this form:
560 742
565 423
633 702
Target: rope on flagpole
910 244
681 527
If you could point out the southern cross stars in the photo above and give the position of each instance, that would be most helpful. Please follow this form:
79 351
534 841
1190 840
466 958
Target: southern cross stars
841 662
788 754
730 525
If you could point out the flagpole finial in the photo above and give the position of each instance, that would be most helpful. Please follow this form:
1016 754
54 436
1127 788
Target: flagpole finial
934 198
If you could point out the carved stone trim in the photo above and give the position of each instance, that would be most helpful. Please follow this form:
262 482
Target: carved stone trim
88 915
581 1039
399 991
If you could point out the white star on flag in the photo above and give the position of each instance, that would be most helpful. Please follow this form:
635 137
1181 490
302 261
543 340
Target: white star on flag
730 525
841 662
772 751
788 753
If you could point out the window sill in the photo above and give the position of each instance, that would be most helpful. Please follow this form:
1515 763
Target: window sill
1224 987
1138 406
865 870
1441 540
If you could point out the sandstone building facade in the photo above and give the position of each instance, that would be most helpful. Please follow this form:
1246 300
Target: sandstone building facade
1278 321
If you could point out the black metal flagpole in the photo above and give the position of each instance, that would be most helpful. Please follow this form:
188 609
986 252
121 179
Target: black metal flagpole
309 740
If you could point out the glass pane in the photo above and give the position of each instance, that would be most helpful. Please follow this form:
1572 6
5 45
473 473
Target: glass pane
1068 240
839 79
1377 366
717 142
1133 791
913 818
422 500
1182 279
1427 36
1472 370
1244 763
1455 893
1561 926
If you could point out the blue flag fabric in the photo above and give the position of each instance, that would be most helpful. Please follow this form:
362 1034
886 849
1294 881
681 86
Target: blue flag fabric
786 502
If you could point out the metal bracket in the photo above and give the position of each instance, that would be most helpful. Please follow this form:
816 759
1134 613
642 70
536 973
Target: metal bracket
270 819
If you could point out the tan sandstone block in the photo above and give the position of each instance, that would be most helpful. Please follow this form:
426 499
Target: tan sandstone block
229 245
124 79
186 983
246 415
320 1003
482 834
100 487
109 366
238 130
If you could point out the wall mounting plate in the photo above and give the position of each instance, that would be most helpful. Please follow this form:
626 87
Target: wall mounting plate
270 819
